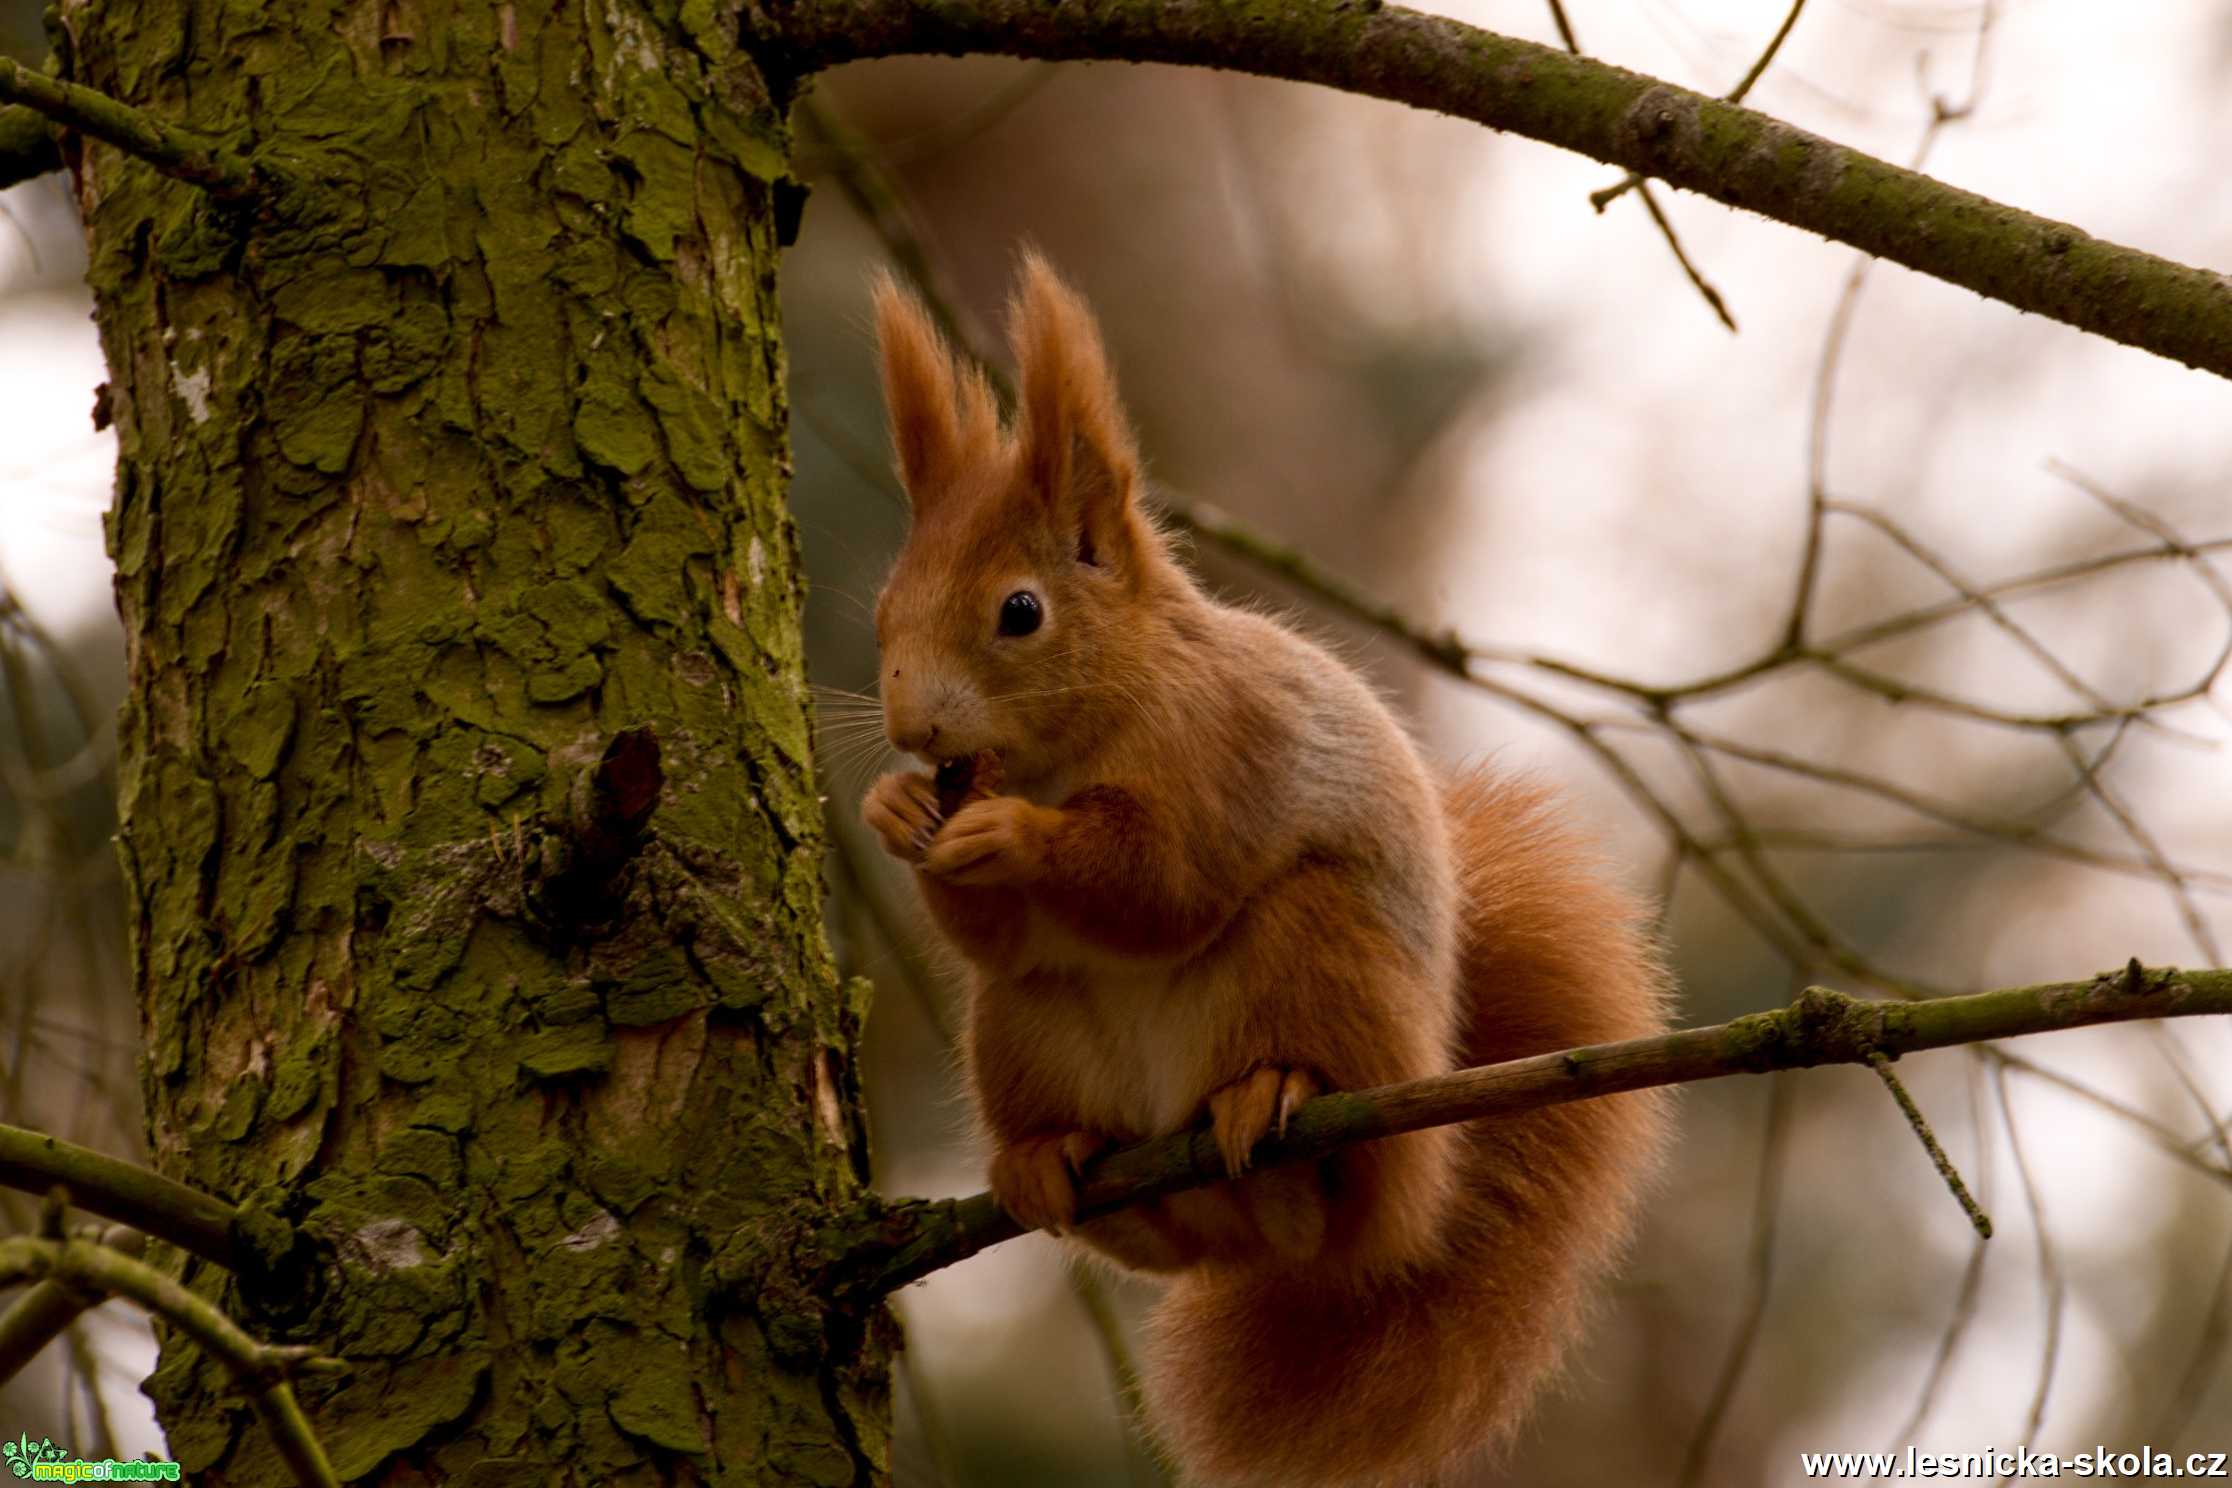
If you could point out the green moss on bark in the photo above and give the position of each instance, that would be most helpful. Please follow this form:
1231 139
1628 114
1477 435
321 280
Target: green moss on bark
434 475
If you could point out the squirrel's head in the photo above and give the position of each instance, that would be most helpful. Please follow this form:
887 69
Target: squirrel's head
1011 617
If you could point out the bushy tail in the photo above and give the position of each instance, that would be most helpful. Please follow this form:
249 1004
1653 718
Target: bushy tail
1299 1380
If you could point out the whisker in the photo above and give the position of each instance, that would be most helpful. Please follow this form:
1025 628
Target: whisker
841 743
866 610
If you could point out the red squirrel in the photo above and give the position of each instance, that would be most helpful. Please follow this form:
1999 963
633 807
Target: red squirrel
1199 872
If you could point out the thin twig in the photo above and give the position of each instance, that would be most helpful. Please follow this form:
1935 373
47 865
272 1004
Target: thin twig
1123 1371
2012 831
878 199
1766 1208
1665 224
2184 1398
1825 945
2170 1142
1690 270
2049 1271
85 1366
2215 1332
1817 452
1565 27
1977 1218
1972 1275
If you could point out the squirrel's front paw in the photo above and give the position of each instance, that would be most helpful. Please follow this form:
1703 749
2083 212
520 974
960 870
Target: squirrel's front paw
902 810
1240 1114
1035 1179
996 842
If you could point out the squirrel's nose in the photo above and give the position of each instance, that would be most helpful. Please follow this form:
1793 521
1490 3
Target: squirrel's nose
913 738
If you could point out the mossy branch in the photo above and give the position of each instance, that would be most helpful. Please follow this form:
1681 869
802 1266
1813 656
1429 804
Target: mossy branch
26 146
125 1192
175 152
88 1266
45 1312
1710 146
899 1242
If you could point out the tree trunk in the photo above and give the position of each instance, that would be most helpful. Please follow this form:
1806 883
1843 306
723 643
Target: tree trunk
456 455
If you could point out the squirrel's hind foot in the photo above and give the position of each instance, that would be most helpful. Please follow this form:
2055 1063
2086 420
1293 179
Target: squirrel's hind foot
1243 1113
1035 1179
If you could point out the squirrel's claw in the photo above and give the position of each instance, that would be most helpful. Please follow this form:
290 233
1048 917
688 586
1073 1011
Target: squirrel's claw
1296 1088
1035 1180
902 810
1242 1113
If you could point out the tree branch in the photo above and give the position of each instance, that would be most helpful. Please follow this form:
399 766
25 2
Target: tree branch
1706 145
1664 223
175 152
26 146
125 1192
89 1266
1612 193
45 1312
898 1242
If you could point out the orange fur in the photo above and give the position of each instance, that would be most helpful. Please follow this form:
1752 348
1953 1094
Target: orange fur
1202 873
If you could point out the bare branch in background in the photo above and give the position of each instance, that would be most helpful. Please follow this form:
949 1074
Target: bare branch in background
1665 224
2185 1397
2053 1292
1774 1152
1717 149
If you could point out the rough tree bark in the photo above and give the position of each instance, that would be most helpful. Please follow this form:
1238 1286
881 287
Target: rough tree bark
449 454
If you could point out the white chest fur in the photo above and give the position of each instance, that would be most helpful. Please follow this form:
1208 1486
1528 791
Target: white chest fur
1129 1042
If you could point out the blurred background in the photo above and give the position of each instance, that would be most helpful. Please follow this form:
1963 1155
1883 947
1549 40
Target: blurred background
1410 360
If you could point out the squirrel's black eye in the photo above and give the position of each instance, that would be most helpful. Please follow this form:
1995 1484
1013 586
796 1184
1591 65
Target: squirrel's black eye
1020 613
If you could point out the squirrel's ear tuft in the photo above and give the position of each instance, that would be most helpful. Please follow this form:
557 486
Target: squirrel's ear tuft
1076 447
942 416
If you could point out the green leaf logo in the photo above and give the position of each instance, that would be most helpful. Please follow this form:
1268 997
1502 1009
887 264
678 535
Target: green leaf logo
23 1453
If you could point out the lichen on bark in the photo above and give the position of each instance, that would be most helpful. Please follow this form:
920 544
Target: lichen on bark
436 471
